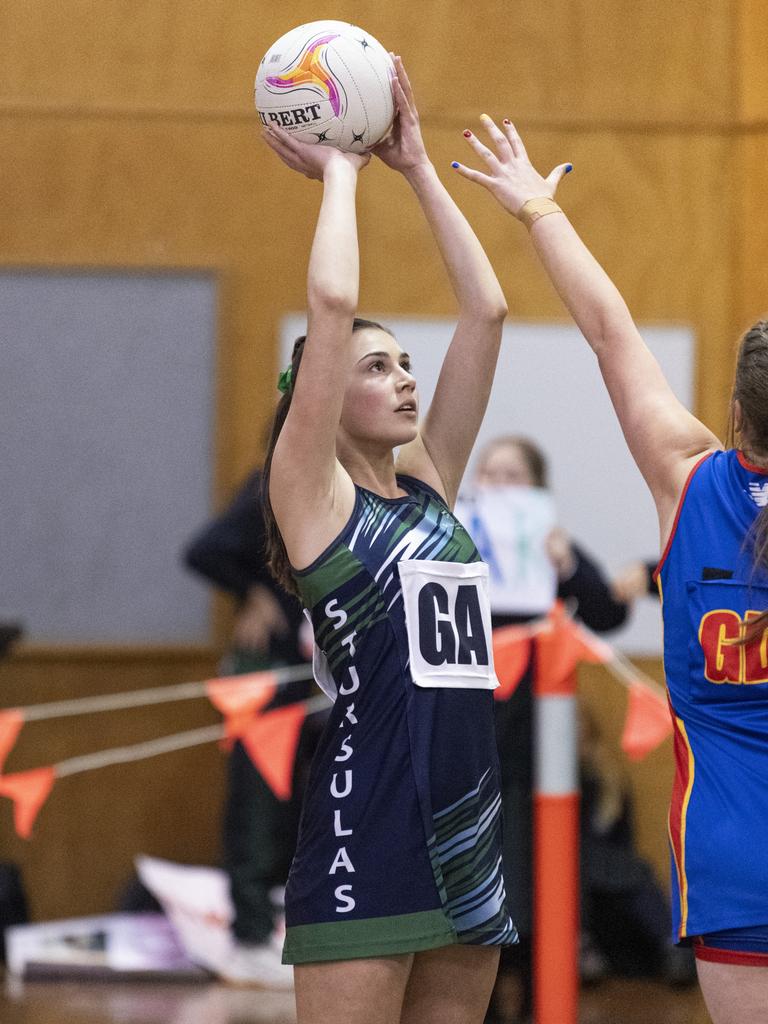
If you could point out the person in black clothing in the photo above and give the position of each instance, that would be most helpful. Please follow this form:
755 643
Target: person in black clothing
229 552
259 831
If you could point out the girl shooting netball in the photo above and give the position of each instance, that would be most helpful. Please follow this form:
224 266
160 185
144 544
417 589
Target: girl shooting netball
395 905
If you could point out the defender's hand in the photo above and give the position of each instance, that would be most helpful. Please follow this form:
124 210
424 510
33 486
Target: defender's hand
510 176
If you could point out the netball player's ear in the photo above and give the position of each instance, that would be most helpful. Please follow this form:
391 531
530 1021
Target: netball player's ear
738 416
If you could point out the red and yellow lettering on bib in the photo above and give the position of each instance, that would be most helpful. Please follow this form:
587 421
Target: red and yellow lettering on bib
725 659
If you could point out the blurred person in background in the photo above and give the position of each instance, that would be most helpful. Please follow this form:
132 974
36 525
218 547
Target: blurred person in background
510 514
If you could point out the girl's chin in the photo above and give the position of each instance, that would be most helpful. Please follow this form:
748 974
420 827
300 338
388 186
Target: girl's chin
407 435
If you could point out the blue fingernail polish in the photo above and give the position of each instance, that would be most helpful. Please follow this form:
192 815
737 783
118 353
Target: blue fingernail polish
568 167
454 164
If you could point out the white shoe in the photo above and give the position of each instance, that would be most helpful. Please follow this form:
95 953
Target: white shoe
257 967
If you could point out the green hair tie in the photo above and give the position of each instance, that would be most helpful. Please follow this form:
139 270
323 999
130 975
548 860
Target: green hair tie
285 380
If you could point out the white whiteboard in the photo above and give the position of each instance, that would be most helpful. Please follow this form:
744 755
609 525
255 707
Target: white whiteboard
548 387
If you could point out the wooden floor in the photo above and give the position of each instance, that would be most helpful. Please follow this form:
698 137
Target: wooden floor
55 1002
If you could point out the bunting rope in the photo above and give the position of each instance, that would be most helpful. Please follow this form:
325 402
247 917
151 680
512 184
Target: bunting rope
162 745
139 751
270 736
157 695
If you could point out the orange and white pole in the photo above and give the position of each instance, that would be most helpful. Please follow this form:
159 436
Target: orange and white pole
556 852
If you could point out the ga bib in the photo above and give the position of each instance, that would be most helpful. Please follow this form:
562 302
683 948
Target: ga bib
448 621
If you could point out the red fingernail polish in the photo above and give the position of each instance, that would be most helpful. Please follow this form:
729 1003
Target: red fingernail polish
507 121
467 133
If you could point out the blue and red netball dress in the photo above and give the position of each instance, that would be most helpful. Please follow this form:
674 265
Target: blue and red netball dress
718 690
399 846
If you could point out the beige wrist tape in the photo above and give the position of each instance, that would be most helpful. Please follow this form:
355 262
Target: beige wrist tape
534 209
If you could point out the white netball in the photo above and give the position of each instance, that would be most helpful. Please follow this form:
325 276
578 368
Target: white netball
328 82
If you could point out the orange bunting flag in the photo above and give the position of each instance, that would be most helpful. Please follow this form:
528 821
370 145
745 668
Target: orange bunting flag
558 652
29 791
271 742
648 722
11 721
240 698
511 656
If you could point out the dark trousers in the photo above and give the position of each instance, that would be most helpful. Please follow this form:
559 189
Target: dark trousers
259 838
259 831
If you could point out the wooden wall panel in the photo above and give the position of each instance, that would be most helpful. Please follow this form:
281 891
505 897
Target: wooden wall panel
752 68
753 230
622 61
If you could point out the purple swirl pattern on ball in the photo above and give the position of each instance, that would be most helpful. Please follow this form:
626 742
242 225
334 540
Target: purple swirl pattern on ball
310 71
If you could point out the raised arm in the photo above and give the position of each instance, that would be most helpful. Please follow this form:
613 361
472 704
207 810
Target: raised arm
446 439
305 475
665 439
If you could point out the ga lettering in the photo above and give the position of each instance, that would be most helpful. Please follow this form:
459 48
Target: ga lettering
440 643
725 659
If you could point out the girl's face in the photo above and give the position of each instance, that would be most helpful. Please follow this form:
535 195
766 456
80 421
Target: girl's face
380 401
504 465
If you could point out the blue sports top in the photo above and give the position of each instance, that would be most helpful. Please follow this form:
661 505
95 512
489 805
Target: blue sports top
718 692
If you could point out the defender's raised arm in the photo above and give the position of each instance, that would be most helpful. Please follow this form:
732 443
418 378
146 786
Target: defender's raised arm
663 437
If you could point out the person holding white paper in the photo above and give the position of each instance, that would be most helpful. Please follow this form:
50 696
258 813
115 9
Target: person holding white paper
510 514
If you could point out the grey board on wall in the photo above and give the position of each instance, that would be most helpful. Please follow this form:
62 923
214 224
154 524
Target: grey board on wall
548 387
106 406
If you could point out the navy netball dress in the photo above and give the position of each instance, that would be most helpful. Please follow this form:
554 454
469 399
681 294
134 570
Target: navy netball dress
718 691
399 846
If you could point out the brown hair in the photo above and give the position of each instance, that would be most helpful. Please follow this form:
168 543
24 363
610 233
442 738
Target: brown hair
534 457
751 389
277 556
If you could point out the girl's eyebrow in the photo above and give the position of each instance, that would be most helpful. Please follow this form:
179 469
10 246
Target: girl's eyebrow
386 355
